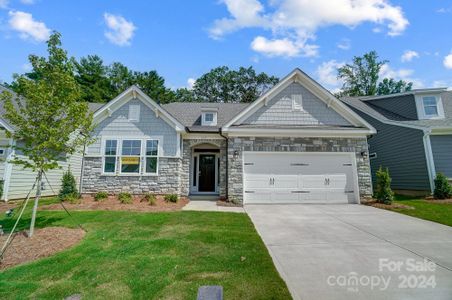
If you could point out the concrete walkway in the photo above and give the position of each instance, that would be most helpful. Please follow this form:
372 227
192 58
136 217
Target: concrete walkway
207 205
356 252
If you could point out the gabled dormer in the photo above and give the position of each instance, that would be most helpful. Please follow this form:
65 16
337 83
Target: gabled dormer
209 116
429 106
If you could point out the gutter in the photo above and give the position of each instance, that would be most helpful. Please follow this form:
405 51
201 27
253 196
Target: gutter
227 162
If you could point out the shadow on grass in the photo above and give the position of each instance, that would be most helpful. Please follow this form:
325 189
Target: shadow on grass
24 223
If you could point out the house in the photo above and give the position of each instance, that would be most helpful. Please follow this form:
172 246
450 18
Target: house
18 181
295 144
414 136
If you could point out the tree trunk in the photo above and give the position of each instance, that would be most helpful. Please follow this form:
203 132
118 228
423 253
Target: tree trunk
35 206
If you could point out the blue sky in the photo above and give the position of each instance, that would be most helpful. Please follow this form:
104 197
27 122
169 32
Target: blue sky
184 39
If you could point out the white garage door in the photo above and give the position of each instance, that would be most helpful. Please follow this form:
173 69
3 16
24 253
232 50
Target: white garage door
299 177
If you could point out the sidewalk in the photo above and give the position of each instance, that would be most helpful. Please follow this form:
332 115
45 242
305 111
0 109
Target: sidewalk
205 205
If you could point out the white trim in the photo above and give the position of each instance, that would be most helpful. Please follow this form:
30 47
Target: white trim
195 189
351 154
421 108
268 132
429 159
200 136
204 122
298 76
6 126
8 170
136 93
412 92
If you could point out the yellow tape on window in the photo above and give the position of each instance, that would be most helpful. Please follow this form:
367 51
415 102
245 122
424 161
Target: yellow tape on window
130 160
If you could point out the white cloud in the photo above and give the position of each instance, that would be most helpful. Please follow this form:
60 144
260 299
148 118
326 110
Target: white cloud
27 2
344 44
448 61
444 10
298 21
28 27
190 83
327 74
282 47
4 4
387 71
408 55
120 30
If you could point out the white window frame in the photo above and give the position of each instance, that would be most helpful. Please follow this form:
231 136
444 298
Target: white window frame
297 102
118 165
204 122
421 107
2 151
134 109
140 160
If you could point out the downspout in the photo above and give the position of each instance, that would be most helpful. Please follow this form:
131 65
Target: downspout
429 159
227 163
81 170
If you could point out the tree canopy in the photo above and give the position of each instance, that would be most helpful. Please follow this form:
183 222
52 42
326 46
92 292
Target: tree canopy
362 78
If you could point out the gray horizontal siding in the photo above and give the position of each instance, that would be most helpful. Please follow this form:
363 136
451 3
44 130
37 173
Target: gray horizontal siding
401 105
119 126
401 150
442 153
279 110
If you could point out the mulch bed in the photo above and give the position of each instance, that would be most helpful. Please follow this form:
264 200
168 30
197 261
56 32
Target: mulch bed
374 203
112 203
44 242
433 200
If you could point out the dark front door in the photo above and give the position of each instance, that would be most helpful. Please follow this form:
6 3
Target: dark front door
206 173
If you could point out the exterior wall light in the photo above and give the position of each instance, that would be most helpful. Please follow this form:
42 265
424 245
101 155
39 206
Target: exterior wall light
236 154
364 154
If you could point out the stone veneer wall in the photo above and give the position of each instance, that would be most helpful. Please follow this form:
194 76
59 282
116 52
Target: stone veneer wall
167 181
240 144
186 172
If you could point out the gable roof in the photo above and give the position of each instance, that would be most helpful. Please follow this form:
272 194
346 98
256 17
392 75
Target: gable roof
315 88
364 105
189 114
3 122
135 92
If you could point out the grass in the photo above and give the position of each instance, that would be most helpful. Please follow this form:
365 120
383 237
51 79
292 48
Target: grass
148 255
427 210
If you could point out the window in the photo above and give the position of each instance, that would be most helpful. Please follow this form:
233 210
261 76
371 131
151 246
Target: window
209 118
130 156
110 156
195 169
297 102
2 151
430 105
152 151
134 113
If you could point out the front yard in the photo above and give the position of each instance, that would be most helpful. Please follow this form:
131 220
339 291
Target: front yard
436 211
149 255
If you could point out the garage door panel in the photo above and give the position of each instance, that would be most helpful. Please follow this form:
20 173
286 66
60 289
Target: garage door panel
337 181
312 181
284 196
254 181
258 196
285 181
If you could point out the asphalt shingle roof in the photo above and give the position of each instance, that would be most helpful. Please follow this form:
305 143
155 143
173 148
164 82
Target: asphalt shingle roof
189 113
385 115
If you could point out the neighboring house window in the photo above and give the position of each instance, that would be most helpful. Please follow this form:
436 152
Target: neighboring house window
209 118
110 156
297 102
152 152
2 151
131 156
430 106
134 113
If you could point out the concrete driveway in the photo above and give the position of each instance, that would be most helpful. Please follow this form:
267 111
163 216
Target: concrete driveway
356 252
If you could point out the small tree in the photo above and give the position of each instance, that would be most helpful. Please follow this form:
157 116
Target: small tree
383 193
68 186
50 122
443 189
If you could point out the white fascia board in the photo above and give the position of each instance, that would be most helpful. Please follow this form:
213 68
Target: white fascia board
412 92
441 130
201 136
6 126
298 76
135 92
259 132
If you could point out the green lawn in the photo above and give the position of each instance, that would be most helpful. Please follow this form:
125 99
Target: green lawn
149 255
423 209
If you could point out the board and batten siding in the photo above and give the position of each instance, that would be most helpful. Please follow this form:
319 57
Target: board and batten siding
401 150
118 125
442 153
278 110
401 105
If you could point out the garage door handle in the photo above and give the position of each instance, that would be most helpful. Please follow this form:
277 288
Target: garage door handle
249 192
347 165
349 192
249 164
299 164
300 192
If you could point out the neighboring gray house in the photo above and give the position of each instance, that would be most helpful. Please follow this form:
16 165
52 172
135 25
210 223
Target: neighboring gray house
295 144
414 135
17 181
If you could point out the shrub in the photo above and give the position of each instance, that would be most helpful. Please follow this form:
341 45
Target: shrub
125 198
171 198
68 186
149 198
1 188
71 198
443 189
99 196
383 193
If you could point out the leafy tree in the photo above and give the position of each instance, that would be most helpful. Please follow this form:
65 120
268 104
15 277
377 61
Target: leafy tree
153 85
361 77
390 86
120 77
383 193
92 76
49 120
184 95
224 85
